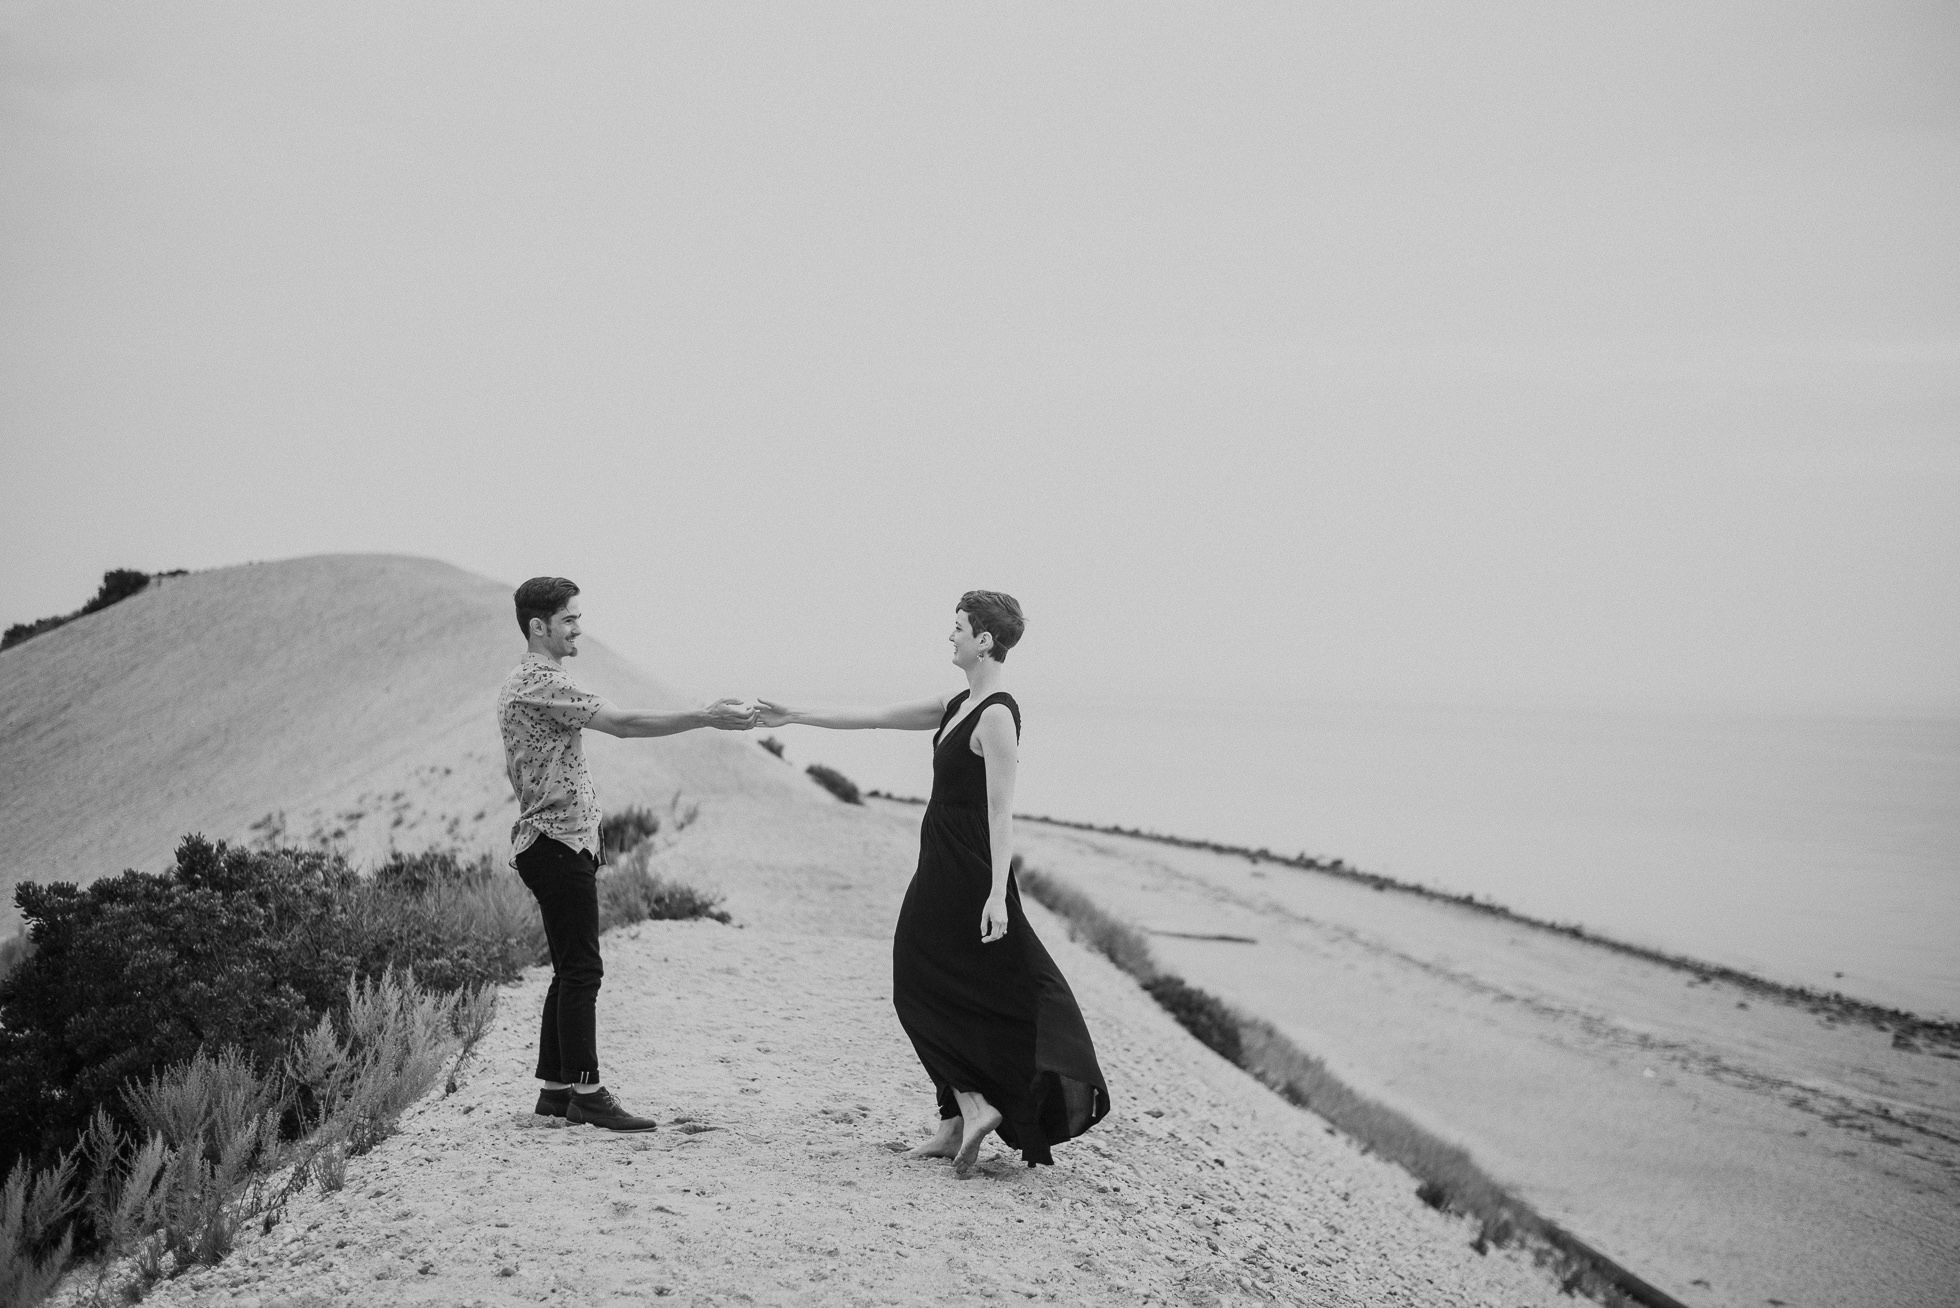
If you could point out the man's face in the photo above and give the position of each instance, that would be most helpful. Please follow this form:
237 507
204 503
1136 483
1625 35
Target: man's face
562 632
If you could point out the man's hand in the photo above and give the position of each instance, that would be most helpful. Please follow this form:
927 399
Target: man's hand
993 919
771 714
730 715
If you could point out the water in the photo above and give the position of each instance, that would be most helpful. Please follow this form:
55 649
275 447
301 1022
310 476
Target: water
1818 850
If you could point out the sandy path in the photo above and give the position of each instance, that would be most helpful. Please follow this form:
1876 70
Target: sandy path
779 1038
1731 1148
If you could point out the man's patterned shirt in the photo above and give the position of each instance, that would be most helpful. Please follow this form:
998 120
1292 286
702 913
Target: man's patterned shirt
543 716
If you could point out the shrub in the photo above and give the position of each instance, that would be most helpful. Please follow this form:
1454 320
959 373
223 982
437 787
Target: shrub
417 874
456 924
622 831
202 1010
21 631
632 893
1119 942
835 782
771 744
118 584
1202 1014
136 972
211 1137
210 1102
359 1072
206 1191
34 1239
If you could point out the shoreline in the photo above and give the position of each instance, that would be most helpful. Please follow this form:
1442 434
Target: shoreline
1725 1143
1907 1028
1449 1180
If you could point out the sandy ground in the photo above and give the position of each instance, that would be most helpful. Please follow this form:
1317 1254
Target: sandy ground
772 1057
1731 1148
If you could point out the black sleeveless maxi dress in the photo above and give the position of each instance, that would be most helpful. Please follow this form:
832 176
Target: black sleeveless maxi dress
997 1018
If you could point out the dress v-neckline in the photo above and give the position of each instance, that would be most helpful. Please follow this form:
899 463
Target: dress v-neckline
946 732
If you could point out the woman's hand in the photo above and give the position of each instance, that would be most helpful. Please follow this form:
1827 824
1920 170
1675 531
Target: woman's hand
993 919
771 714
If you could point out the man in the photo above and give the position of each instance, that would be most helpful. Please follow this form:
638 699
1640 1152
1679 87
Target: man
555 843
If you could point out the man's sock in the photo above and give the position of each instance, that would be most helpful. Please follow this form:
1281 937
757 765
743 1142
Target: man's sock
587 1089
557 1085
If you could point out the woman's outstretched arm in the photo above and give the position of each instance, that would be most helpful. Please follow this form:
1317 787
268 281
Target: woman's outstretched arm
995 732
916 715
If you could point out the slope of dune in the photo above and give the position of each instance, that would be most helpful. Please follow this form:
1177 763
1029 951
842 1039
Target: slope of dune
340 698
770 1054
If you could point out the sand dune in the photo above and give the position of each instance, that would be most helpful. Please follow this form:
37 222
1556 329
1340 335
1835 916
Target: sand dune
351 694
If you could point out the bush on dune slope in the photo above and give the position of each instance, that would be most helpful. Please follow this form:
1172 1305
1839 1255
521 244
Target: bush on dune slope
171 1039
118 584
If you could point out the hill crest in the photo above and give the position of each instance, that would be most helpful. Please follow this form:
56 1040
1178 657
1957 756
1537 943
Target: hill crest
345 699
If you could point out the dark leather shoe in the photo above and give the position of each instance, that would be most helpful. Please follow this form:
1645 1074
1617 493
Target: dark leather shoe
600 1109
551 1103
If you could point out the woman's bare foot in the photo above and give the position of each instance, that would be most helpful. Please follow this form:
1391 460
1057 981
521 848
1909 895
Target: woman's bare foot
979 1119
945 1141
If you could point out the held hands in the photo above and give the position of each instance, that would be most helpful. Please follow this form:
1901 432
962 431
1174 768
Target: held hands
731 715
993 919
771 714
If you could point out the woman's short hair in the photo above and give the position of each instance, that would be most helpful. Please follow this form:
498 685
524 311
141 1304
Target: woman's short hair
542 597
996 613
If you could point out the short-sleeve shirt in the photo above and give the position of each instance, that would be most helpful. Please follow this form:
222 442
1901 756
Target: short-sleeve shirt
543 716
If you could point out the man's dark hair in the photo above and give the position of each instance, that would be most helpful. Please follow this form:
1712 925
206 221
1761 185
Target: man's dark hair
996 613
541 597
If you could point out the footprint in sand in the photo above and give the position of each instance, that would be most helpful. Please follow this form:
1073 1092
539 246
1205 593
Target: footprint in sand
690 1125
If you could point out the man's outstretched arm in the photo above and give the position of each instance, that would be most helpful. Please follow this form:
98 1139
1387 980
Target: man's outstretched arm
723 715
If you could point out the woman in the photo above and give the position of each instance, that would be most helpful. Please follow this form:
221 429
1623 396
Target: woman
986 1008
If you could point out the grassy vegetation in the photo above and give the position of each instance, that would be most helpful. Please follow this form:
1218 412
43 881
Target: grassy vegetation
835 782
1447 1178
624 830
181 1054
118 584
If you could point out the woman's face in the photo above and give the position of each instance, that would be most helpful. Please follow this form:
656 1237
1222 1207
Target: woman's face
968 649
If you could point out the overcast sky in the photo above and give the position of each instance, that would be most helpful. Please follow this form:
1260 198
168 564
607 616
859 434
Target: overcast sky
1494 351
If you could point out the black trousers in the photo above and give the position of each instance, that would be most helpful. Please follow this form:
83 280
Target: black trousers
565 882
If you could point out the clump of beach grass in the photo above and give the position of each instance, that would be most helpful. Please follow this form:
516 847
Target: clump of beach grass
626 829
1088 922
835 782
220 1145
630 891
35 1239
